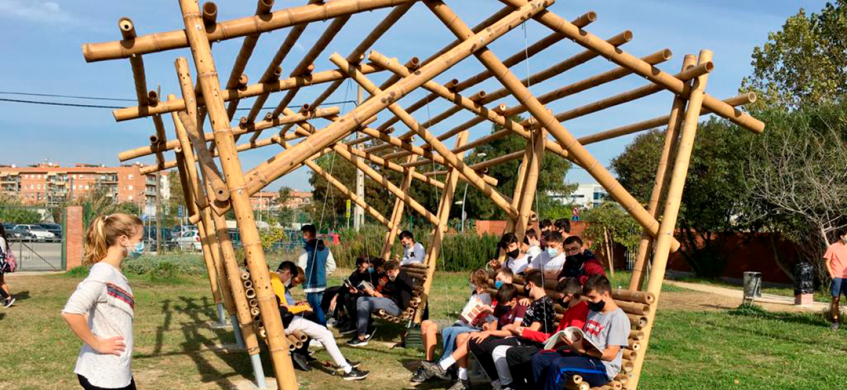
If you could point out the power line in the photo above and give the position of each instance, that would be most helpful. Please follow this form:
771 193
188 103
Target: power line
79 105
66 96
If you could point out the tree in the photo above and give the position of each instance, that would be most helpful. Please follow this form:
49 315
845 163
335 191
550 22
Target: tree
551 178
610 217
176 198
804 63
13 211
714 200
797 179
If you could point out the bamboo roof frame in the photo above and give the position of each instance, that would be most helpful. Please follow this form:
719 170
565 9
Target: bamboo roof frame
211 190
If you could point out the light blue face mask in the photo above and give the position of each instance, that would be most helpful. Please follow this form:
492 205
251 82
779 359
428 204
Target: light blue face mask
497 284
552 252
136 251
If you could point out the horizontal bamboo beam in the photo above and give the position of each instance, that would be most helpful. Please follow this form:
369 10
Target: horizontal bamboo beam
266 124
622 58
288 17
545 74
342 127
122 114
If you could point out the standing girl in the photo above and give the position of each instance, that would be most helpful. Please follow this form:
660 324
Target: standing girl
100 311
5 254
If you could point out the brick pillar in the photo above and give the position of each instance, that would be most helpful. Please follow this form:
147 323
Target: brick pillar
73 237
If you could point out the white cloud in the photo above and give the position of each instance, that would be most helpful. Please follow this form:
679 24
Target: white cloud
34 11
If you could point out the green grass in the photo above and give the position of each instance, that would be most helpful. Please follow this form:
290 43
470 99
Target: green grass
176 348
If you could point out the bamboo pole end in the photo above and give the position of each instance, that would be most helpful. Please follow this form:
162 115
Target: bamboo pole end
127 28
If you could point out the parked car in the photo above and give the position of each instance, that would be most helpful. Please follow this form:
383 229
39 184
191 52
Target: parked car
54 228
179 229
151 240
39 232
189 240
14 233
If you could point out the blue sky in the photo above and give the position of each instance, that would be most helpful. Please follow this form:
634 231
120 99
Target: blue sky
41 54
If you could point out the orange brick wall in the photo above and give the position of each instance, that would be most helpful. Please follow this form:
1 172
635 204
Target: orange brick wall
73 233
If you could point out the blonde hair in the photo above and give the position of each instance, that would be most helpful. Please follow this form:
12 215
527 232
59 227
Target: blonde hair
105 231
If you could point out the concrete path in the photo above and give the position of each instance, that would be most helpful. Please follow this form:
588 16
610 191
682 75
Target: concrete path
738 294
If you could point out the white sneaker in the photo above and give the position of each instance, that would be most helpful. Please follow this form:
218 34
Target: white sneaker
9 302
315 344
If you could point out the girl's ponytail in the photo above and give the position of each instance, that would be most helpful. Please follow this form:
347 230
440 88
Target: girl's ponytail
104 232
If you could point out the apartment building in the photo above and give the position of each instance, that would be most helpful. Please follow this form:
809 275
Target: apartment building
50 184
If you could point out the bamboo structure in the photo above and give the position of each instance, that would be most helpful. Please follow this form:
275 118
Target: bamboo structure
214 181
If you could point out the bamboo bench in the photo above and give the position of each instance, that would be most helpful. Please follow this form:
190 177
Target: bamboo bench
637 306
417 272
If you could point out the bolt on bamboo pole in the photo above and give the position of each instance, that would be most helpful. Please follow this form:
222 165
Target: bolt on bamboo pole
397 213
622 58
661 181
672 204
235 28
284 162
239 199
546 120
450 158
513 60
438 230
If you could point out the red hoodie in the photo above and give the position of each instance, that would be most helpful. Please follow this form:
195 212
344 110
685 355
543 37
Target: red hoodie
574 316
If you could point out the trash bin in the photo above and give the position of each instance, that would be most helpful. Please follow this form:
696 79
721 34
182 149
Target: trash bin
752 285
804 283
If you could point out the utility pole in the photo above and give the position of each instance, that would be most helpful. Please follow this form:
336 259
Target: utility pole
158 213
359 212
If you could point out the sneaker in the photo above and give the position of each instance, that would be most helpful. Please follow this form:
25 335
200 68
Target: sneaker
463 384
355 375
9 302
353 363
420 375
834 324
315 344
355 342
331 323
371 333
300 362
434 369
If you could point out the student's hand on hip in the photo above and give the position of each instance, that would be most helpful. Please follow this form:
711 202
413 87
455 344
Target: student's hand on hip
110 346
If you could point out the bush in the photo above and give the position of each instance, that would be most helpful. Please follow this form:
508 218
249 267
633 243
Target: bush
166 266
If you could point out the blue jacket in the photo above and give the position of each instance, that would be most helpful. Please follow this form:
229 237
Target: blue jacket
316 259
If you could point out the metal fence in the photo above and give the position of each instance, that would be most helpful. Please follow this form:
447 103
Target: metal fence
38 256
36 251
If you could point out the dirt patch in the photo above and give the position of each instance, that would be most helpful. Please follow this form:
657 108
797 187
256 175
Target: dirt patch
702 301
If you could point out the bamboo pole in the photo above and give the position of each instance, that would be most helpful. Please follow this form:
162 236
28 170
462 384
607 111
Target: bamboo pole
622 58
235 28
559 68
535 152
273 71
240 201
514 59
397 213
316 78
610 253
247 128
546 120
286 161
672 204
668 149
450 158
438 231
247 46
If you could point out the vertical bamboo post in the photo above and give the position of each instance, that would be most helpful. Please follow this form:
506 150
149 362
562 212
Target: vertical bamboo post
444 207
277 344
672 204
661 182
535 152
241 319
397 214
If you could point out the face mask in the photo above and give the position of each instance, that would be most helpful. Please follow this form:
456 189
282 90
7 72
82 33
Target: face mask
473 288
305 241
552 252
596 306
844 240
514 254
526 289
371 269
498 284
287 283
564 302
135 251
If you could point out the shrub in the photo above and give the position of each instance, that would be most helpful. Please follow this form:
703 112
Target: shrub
166 266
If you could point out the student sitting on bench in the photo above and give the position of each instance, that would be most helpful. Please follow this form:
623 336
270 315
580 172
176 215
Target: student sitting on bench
394 297
607 326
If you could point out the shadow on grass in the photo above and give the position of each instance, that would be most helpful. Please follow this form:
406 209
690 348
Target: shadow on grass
21 296
2 316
